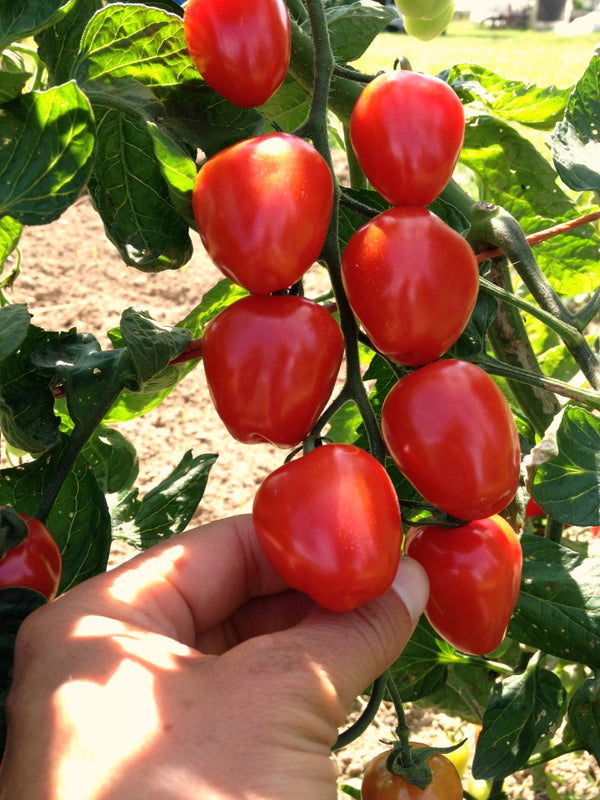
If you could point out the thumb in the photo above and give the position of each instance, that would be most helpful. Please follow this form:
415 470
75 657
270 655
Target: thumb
355 647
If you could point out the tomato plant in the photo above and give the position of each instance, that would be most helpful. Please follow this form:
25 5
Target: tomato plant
271 364
401 262
476 567
329 522
241 47
263 207
407 132
35 561
381 784
450 431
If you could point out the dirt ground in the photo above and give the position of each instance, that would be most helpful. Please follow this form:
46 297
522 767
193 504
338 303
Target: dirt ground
72 277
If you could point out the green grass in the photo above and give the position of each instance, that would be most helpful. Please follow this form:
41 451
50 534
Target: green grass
540 57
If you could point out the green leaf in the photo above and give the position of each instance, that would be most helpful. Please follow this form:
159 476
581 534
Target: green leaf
222 294
150 344
514 175
19 20
472 341
520 101
79 519
113 460
14 325
289 106
167 508
58 44
178 171
13 75
120 67
354 26
423 666
520 710
10 233
46 153
568 485
92 378
133 198
27 417
558 610
133 404
575 141
584 715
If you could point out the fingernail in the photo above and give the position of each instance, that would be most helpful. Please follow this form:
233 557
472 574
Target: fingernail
412 587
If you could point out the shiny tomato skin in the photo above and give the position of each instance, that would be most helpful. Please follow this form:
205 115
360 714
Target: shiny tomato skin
329 523
36 563
380 784
407 132
450 431
474 576
262 207
412 282
240 47
427 29
271 363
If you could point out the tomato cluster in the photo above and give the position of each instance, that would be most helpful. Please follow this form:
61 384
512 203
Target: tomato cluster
330 520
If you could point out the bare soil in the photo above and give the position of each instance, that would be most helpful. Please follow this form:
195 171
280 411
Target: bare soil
73 277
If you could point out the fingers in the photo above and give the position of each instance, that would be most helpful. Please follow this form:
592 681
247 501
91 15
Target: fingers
356 647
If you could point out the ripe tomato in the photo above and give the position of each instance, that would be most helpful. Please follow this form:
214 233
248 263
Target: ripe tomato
240 47
271 364
533 509
35 563
427 29
380 784
451 432
407 132
412 281
263 208
329 523
474 577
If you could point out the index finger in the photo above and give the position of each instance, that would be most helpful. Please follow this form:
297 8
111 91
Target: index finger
188 584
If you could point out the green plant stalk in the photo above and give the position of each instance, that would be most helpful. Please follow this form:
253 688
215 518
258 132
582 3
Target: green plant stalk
358 179
75 444
551 753
316 127
568 333
496 226
588 397
510 343
366 718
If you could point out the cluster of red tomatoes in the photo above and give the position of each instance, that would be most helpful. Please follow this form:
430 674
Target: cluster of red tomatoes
329 520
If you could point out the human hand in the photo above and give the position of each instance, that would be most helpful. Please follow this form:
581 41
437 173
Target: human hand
193 671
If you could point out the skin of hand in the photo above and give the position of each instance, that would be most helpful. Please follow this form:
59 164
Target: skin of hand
193 671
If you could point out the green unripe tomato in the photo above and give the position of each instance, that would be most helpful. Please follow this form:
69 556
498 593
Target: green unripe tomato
421 9
427 29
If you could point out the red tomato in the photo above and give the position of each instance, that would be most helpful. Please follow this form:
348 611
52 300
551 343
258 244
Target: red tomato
412 281
381 784
474 577
533 509
35 563
329 523
271 364
407 132
263 208
240 47
451 432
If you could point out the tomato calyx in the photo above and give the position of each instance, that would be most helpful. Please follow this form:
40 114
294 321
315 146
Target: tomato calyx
410 760
13 530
